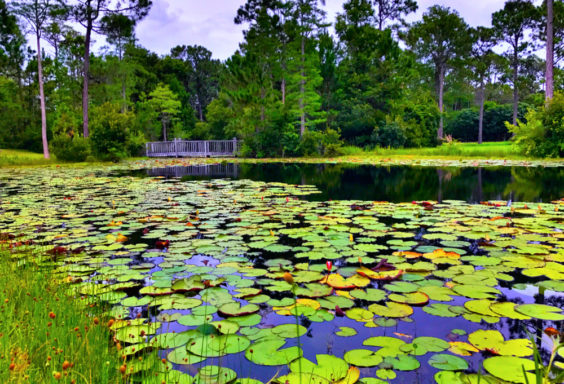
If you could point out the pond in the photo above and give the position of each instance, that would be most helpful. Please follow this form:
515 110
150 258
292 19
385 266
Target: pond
393 183
213 266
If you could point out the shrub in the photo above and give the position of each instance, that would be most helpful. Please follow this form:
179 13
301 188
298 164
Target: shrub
67 148
418 121
327 143
389 135
543 133
463 125
110 132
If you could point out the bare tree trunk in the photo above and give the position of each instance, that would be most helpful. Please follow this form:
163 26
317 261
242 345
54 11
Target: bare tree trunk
481 118
85 76
42 100
302 91
441 103
164 130
550 50
515 89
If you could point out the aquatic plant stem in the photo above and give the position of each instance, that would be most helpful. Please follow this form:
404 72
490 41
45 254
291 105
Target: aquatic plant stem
294 286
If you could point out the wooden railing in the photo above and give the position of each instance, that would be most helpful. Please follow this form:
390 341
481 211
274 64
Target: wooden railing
186 148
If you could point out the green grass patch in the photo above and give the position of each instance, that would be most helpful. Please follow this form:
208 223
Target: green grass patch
47 335
12 157
492 150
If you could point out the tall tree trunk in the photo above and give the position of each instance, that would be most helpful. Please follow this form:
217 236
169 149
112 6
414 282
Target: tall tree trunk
123 80
481 118
302 91
42 100
550 49
283 88
85 76
515 88
164 130
123 96
441 84
200 110
262 111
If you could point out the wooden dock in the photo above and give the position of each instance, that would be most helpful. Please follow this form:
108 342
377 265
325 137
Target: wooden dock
189 148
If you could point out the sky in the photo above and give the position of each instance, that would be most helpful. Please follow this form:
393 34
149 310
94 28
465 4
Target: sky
210 22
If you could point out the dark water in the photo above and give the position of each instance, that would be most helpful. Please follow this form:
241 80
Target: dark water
395 184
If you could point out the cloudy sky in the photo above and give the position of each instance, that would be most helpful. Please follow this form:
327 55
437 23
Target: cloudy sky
210 22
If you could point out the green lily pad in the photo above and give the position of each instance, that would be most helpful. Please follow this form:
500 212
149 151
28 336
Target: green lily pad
329 369
391 309
494 341
421 345
510 368
235 309
540 311
346 332
448 362
212 374
268 352
363 358
218 345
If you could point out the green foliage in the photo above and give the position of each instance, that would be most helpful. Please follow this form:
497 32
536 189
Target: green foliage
463 125
327 143
165 105
418 120
389 135
543 133
110 132
37 344
72 149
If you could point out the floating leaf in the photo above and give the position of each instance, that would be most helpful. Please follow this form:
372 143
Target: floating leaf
346 332
510 368
493 340
448 362
268 352
391 309
540 311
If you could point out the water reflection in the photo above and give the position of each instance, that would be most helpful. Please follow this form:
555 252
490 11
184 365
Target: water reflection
396 184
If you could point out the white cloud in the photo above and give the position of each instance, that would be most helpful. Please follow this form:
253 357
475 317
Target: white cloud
210 22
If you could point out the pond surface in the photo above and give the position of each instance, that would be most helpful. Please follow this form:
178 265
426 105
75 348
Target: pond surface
393 183
404 291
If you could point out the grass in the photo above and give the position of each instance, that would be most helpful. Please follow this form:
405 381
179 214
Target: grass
491 150
12 157
453 151
47 336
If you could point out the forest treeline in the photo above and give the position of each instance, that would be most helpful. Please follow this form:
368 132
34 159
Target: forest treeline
297 85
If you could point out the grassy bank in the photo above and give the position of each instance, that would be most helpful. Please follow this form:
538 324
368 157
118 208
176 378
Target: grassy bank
454 151
11 157
47 336
493 150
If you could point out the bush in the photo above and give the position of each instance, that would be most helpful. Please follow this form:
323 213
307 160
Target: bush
326 143
543 133
67 148
418 121
389 135
110 132
463 125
